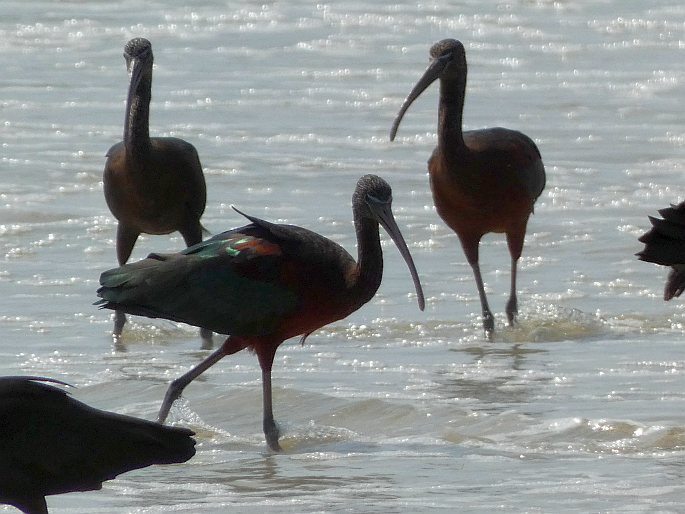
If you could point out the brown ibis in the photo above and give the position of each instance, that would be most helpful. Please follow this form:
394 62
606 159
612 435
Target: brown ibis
153 185
483 180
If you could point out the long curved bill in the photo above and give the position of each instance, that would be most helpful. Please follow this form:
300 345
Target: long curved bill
431 74
384 214
135 72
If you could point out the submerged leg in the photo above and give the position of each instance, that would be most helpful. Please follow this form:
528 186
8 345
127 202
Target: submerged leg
177 386
266 358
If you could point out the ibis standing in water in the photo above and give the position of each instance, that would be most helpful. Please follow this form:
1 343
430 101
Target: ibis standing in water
53 444
665 245
153 185
482 180
262 284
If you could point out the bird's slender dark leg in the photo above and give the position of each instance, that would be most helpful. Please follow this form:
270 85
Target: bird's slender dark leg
512 304
126 240
177 386
488 320
192 236
271 432
515 243
119 322
470 247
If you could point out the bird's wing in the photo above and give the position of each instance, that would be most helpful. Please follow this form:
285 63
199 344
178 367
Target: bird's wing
233 283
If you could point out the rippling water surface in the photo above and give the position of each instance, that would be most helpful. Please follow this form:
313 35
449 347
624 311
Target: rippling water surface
578 408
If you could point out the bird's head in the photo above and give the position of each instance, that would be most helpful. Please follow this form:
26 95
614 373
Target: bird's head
372 199
448 60
138 56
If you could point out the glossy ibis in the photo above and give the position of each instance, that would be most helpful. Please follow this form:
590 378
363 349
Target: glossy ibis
53 444
262 284
665 245
153 185
482 180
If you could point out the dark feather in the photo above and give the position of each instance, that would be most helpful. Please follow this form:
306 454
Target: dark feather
665 241
244 271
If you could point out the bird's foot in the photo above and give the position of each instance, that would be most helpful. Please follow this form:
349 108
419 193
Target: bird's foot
488 325
272 434
172 394
512 310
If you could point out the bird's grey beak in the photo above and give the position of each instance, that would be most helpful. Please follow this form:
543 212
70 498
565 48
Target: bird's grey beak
431 74
135 71
383 213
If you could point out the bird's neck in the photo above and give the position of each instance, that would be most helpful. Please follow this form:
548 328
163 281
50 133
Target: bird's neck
136 125
369 260
450 114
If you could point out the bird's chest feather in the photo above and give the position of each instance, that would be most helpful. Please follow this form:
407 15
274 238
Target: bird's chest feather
473 194
324 294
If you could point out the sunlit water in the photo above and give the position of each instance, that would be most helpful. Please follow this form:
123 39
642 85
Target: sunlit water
578 408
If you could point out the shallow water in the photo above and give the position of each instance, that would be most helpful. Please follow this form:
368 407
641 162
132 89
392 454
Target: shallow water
578 408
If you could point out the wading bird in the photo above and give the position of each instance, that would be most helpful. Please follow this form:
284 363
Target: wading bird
53 444
262 284
482 180
153 185
665 245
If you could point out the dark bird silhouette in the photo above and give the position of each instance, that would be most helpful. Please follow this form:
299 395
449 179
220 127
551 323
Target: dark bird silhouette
153 185
262 284
482 180
665 245
53 444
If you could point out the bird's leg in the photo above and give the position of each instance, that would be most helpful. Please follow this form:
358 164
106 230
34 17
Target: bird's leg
470 246
488 320
512 303
515 239
119 322
271 432
177 386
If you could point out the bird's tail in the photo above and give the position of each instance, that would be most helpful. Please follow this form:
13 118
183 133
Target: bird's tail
132 286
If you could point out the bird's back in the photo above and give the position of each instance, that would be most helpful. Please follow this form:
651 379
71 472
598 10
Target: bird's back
242 282
511 155
52 443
